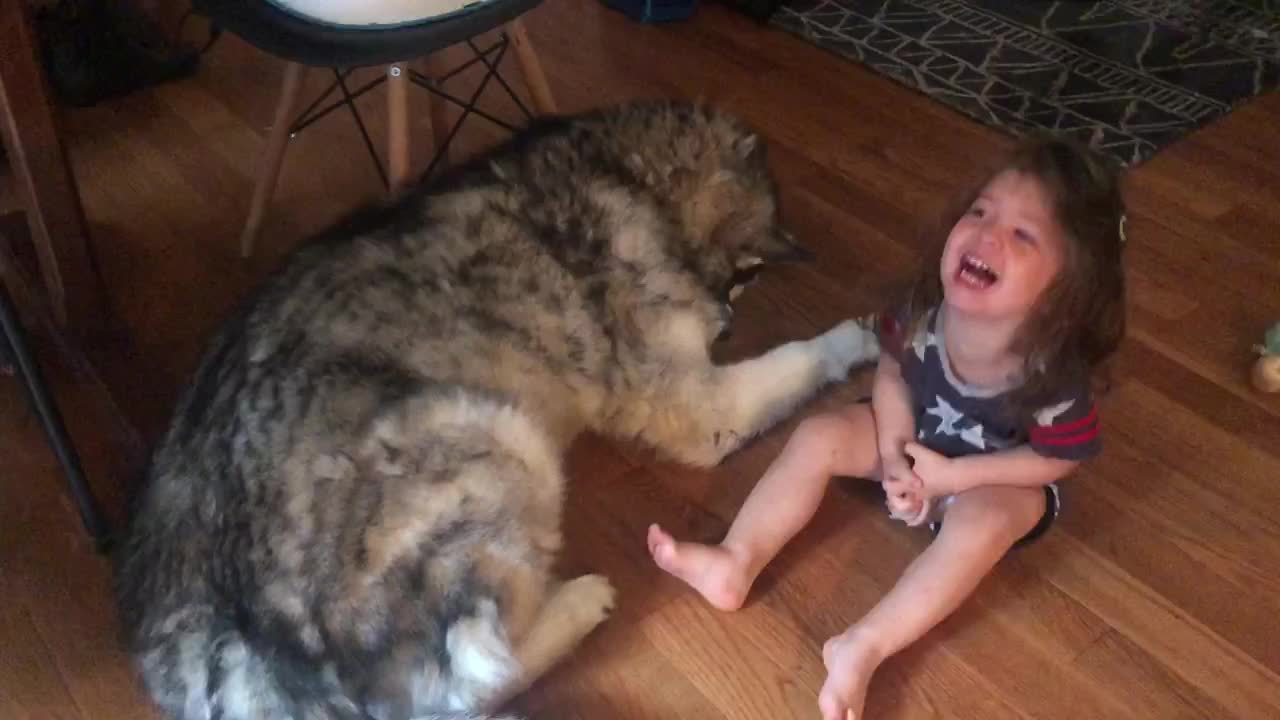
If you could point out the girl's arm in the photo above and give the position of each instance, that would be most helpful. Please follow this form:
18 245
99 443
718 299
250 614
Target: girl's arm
1020 466
891 405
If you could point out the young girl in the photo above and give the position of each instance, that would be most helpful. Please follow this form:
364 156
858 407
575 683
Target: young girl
981 401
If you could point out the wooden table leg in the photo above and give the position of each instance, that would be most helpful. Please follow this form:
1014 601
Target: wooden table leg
45 182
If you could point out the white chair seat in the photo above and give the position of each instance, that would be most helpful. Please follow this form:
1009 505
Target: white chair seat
366 13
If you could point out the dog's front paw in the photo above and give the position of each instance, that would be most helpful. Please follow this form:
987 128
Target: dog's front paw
588 599
852 342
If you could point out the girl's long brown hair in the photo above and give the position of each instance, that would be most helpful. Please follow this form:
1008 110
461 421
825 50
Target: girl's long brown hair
1079 321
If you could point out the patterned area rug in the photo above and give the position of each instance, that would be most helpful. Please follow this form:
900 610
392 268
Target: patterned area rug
1129 76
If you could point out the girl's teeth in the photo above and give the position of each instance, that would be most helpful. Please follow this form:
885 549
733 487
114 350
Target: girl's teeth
977 263
976 272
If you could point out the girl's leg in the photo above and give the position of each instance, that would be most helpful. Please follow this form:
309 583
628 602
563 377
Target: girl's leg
979 528
840 443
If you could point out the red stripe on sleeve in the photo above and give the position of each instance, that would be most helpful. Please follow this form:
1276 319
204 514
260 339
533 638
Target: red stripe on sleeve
1060 440
1074 426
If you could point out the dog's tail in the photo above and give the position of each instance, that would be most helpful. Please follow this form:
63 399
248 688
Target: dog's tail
192 672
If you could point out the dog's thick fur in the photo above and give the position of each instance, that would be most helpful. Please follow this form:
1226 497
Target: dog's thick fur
356 508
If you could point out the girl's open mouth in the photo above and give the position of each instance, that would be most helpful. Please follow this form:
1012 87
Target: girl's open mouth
975 273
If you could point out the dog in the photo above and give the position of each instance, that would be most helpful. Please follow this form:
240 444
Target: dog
356 507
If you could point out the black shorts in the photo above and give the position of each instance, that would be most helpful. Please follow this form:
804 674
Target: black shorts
1052 505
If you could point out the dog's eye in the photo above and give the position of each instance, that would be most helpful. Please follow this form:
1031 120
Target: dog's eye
741 278
745 275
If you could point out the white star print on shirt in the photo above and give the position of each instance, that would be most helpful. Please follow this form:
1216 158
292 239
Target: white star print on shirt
948 416
973 436
1046 416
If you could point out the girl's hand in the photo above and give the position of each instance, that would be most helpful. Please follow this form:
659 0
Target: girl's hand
934 473
896 469
898 478
901 488
908 507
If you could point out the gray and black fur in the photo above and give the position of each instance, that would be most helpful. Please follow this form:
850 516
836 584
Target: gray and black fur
355 511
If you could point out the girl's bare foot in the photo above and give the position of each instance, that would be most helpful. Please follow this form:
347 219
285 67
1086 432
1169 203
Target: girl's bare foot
850 658
713 570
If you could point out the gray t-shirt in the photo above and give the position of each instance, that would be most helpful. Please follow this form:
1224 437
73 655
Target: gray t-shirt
954 418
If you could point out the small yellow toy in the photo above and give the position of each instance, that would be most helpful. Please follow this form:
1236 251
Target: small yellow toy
1266 371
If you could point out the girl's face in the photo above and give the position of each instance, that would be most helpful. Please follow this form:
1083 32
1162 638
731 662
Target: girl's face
1004 251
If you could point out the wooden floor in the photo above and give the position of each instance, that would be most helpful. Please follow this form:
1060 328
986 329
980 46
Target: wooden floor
1156 596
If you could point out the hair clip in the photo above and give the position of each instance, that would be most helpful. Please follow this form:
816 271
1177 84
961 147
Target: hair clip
1123 218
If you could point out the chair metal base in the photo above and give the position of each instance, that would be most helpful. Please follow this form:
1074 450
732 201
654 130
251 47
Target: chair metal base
15 353
491 57
398 76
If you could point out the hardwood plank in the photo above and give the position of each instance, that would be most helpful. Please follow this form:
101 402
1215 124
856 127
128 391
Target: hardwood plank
1194 395
1219 461
1155 692
30 683
58 586
1241 684
1163 551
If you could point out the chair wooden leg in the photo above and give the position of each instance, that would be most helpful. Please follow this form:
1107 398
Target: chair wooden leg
531 66
269 167
399 155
